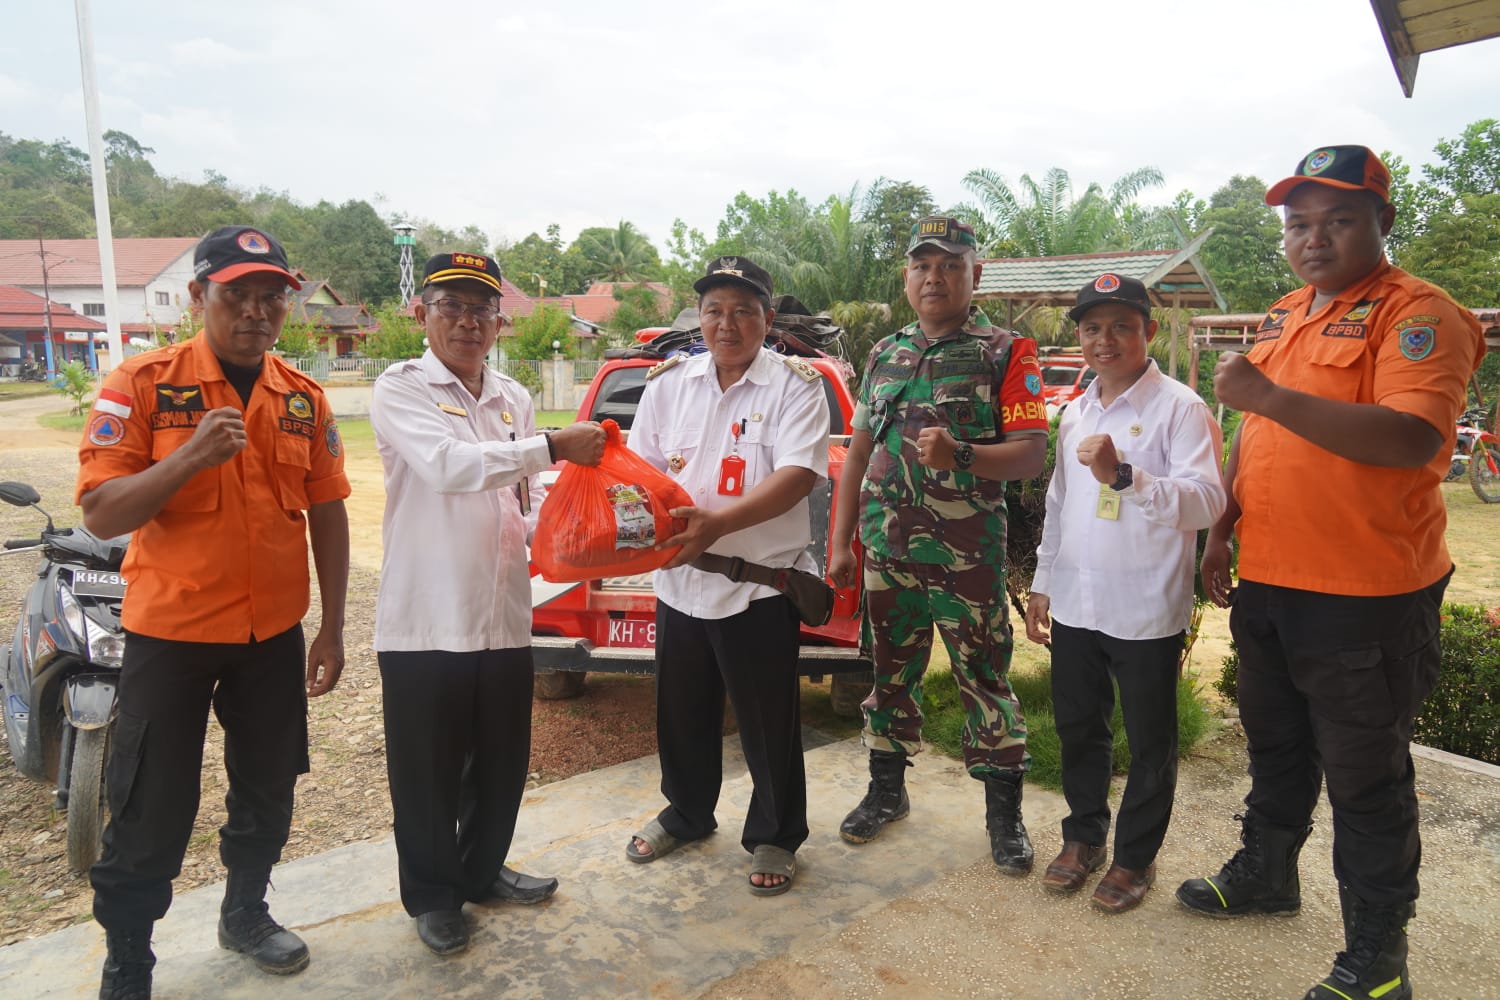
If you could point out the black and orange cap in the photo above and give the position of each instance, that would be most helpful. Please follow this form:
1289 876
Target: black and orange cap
1351 168
235 251
461 266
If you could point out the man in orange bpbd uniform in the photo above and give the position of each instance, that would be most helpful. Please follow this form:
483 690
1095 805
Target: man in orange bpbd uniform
1350 396
222 460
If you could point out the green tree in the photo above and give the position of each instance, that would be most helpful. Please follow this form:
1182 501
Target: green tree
536 333
533 260
75 381
298 339
639 307
619 254
1243 256
1460 251
353 248
1045 219
396 336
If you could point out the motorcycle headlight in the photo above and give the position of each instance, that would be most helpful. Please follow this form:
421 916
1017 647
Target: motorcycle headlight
106 648
72 615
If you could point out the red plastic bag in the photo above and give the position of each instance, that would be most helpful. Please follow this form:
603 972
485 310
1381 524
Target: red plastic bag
606 519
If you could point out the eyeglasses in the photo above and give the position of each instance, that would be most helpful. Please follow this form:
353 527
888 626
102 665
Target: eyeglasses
453 309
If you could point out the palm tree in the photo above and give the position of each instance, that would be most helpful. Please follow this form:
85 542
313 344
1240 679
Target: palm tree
1045 220
619 254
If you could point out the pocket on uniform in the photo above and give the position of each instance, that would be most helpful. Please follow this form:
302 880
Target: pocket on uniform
291 471
1340 365
199 494
1351 687
680 446
127 749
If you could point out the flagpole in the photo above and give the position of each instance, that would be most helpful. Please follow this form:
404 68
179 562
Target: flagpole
101 182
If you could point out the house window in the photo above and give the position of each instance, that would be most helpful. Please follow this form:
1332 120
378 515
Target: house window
93 308
163 298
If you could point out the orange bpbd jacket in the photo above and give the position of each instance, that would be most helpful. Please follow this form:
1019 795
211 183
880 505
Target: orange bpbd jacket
226 557
1311 520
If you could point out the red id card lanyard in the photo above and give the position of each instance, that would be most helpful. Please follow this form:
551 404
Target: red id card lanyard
732 469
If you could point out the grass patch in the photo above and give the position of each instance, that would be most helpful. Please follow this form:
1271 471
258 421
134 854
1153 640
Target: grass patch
24 390
943 717
554 419
63 421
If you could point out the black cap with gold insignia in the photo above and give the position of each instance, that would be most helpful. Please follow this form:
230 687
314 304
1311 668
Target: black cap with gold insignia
461 266
735 271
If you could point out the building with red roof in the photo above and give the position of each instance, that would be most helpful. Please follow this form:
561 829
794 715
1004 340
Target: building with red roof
24 321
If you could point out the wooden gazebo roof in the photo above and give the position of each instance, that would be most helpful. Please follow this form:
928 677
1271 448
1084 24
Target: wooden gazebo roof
1411 27
1173 278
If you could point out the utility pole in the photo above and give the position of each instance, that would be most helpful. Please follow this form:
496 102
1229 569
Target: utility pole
41 251
405 240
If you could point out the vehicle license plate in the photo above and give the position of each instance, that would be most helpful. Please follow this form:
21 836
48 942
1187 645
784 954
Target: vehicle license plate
632 632
98 583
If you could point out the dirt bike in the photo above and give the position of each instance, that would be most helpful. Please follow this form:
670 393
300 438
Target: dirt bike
1477 454
60 671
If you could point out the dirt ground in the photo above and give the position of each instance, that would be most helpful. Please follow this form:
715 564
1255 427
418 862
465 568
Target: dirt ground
344 798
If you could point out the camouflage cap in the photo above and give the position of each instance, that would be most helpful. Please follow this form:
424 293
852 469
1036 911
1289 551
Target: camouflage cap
942 231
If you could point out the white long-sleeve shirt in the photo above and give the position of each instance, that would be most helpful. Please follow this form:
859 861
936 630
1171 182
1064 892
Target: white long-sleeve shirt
683 428
1131 578
454 574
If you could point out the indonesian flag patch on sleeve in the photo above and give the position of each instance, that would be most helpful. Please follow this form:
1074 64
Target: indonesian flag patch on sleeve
113 401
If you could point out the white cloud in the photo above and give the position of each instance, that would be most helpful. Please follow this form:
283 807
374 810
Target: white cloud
206 53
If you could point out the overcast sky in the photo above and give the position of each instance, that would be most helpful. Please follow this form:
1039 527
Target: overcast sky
510 116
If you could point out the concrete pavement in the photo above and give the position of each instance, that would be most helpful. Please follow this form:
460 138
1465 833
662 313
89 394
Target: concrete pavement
920 912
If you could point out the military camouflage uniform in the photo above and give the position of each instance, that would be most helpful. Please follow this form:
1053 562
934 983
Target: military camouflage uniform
934 540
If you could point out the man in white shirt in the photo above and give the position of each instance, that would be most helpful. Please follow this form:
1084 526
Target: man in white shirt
745 432
453 620
1137 477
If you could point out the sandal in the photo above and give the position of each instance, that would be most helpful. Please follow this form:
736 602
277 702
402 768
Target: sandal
657 838
769 859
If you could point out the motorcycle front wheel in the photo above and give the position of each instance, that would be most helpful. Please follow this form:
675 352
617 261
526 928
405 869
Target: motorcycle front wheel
1484 473
86 797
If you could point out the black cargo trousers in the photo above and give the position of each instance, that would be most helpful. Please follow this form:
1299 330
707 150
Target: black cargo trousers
258 693
1329 686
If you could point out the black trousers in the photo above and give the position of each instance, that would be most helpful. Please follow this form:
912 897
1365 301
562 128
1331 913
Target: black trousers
457 746
258 693
752 656
1083 702
1328 687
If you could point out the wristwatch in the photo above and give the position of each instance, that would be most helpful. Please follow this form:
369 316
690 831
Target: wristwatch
963 455
1124 476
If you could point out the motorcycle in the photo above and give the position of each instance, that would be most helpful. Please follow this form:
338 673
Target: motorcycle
1476 454
32 372
61 669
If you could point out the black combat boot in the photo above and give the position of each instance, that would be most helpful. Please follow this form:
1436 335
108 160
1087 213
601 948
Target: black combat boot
245 925
1260 878
885 801
128 965
1009 845
1373 962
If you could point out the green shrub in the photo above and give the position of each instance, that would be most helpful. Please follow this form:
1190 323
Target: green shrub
1462 715
943 723
1228 683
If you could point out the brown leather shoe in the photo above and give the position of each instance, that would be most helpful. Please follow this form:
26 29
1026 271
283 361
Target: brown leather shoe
1122 889
1072 866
